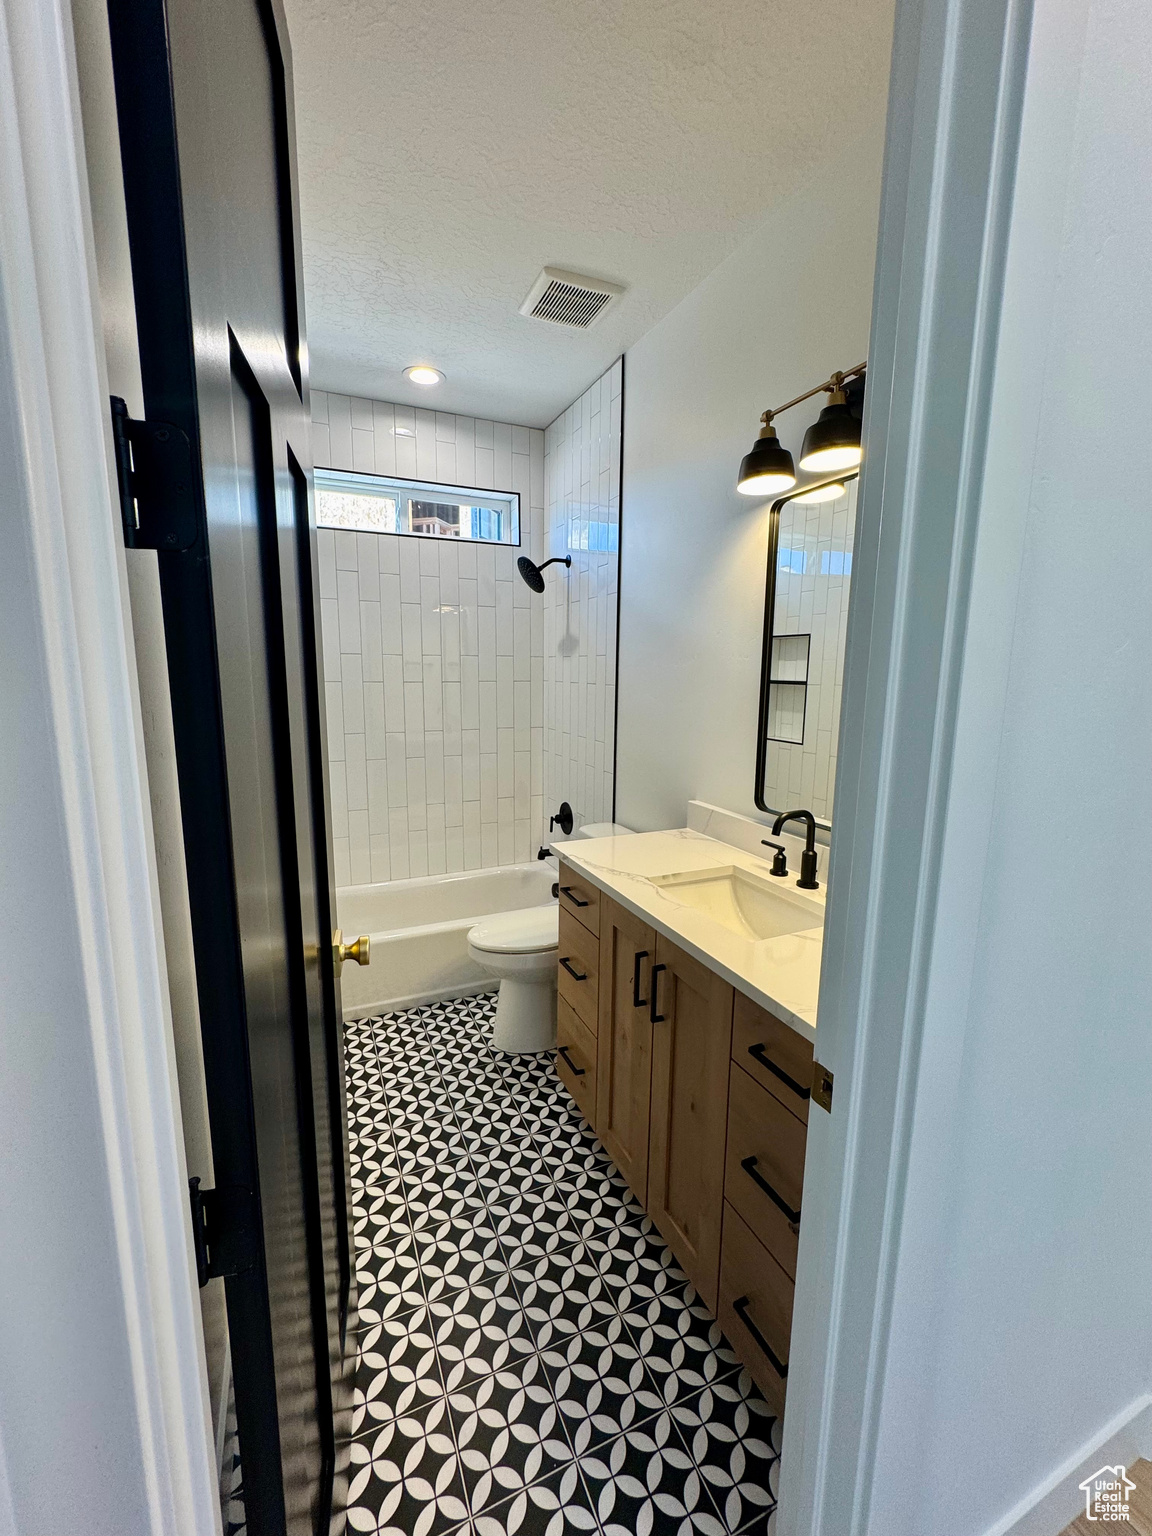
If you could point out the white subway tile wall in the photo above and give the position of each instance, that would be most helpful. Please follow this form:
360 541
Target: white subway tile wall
433 654
582 475
812 585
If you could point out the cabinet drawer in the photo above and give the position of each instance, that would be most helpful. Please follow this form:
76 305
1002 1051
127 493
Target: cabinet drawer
764 1172
576 1058
755 1307
577 968
774 1054
580 898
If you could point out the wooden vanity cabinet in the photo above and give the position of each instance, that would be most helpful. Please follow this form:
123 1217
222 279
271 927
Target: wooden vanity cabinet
624 1041
576 1058
579 898
701 1099
691 1054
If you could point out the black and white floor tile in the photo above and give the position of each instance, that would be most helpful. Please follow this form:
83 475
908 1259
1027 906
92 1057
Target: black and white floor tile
531 1360
231 1477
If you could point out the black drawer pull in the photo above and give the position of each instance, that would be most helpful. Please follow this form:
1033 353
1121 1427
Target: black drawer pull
740 1307
749 1166
637 1000
575 975
576 1071
575 900
656 1018
765 1060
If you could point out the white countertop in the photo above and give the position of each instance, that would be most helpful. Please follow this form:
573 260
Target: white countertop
781 974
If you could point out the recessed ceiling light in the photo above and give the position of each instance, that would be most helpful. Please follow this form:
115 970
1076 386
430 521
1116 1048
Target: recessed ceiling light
422 374
403 432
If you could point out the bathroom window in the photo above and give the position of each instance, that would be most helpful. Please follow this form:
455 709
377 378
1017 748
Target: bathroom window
380 504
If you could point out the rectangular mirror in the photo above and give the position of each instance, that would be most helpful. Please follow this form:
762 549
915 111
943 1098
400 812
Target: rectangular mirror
808 582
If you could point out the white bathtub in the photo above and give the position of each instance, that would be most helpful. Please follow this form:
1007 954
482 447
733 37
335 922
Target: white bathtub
419 932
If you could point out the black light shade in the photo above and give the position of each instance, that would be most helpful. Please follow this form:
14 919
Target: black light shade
767 469
832 442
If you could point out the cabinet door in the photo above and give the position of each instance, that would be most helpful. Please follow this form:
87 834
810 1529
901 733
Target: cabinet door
691 1043
624 1047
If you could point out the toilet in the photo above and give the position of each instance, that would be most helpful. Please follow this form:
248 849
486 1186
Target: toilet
520 948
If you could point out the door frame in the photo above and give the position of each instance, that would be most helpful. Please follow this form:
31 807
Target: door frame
953 131
54 394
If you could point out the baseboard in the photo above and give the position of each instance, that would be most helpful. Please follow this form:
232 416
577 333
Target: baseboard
418 1000
1057 1500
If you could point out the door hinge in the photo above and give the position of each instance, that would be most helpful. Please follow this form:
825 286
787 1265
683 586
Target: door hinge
822 1081
224 1229
154 468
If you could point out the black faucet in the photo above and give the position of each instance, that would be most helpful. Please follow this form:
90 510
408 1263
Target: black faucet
780 861
807 880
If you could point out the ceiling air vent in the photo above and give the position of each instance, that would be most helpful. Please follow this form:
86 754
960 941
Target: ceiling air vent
566 298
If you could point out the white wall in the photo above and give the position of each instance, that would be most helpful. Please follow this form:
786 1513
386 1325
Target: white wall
1021 1354
433 655
582 519
785 309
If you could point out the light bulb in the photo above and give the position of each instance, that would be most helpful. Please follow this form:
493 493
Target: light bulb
422 374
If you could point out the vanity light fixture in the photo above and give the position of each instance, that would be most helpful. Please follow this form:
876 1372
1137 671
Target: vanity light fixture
768 468
424 375
831 443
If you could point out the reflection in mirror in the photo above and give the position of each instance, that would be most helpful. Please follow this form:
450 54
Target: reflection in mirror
805 620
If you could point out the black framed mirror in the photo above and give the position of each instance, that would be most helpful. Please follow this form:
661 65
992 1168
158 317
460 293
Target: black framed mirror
806 593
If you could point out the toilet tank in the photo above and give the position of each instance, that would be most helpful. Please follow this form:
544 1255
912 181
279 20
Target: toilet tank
601 829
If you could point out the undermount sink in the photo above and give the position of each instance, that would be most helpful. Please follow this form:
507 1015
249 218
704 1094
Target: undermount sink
745 903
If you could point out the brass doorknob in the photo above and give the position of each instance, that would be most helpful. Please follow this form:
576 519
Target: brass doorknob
358 950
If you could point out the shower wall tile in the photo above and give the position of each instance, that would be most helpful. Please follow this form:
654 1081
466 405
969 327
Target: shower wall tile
432 650
578 696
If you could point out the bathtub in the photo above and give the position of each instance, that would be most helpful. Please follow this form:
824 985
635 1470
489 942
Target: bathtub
419 932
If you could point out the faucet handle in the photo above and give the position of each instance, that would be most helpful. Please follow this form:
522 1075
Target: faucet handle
780 861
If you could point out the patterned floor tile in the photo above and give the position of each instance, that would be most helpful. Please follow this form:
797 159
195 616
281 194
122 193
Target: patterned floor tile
405 1477
726 1431
509 1433
559 1505
644 1480
531 1357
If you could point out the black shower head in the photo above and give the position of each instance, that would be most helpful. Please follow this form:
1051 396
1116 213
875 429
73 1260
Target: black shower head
531 571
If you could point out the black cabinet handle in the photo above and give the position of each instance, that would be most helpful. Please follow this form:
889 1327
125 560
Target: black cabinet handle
763 1058
637 1000
657 1018
562 1050
749 1166
575 975
575 900
740 1307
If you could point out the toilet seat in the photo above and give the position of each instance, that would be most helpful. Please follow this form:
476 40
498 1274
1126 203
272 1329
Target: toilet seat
526 931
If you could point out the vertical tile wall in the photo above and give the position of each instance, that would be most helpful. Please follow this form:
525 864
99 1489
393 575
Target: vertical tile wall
582 476
812 587
433 655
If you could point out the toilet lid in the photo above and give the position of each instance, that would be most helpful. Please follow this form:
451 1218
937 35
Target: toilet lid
524 932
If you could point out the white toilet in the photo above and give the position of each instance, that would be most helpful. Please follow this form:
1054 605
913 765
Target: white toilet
520 947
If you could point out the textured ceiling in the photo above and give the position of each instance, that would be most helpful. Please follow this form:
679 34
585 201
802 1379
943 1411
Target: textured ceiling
449 149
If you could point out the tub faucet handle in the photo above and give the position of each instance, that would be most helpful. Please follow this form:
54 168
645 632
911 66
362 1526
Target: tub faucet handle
358 950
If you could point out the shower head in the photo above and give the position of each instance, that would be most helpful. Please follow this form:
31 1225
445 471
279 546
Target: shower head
531 571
